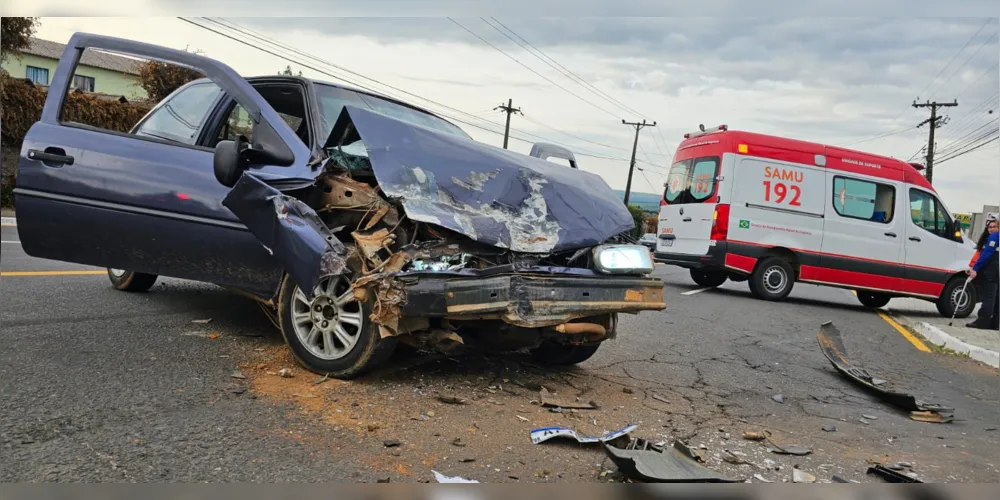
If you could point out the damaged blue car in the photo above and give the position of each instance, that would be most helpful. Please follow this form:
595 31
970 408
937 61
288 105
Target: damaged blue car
359 221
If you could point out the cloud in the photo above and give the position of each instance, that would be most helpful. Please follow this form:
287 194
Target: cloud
832 80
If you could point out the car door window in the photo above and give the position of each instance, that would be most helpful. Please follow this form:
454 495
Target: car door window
237 123
927 213
181 118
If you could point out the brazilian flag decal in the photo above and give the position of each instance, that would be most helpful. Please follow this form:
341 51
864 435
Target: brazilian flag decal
744 224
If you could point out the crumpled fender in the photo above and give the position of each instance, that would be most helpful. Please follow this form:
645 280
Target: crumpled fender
289 229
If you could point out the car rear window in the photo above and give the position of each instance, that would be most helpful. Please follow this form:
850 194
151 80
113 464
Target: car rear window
691 181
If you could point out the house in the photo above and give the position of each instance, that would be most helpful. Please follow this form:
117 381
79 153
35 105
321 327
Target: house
98 72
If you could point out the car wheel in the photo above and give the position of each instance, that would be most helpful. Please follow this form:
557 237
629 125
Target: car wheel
131 281
708 278
331 333
772 279
556 353
953 301
873 299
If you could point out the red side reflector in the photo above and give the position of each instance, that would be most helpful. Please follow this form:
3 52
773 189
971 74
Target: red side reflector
720 222
183 196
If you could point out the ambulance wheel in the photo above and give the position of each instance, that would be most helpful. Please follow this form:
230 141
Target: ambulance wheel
873 299
952 298
708 278
772 279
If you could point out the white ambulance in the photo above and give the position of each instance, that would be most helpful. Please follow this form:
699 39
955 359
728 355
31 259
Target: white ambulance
773 211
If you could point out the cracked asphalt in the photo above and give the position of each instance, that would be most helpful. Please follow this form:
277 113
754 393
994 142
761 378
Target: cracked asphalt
99 385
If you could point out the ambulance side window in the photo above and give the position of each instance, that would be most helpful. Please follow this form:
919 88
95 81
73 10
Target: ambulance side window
928 214
865 200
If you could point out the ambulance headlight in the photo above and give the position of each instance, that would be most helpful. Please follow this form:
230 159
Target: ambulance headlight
623 259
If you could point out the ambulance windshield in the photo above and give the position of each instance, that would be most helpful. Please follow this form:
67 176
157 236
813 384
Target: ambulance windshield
691 181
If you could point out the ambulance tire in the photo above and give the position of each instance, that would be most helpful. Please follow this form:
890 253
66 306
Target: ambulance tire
709 279
946 302
772 279
873 299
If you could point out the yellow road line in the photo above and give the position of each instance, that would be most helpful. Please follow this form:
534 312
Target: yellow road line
52 273
902 331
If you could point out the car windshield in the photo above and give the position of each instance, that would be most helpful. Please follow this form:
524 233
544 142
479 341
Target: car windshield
333 99
648 237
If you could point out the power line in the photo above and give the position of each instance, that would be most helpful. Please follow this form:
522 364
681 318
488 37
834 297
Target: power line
525 66
971 38
880 136
244 31
966 62
980 77
967 151
968 121
536 122
562 69
968 138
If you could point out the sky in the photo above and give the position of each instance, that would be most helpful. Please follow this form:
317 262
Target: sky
840 81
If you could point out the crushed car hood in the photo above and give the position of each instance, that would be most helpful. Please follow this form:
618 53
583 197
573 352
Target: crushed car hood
492 195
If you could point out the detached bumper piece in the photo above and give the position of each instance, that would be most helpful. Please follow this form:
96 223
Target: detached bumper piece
529 301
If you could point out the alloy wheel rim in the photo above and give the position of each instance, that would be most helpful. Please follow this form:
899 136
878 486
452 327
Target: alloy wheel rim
329 325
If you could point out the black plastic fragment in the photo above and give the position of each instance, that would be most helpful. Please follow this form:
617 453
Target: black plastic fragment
891 476
644 461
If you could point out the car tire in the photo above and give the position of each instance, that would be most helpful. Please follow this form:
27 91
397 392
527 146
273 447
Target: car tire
708 278
872 299
551 352
772 279
355 345
953 290
131 281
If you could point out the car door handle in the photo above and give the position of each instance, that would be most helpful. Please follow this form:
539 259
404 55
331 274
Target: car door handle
51 156
914 238
890 234
686 219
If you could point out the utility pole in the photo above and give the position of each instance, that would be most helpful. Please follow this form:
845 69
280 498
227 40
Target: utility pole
509 110
638 126
935 122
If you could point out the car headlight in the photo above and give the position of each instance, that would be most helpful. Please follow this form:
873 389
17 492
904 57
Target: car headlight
623 259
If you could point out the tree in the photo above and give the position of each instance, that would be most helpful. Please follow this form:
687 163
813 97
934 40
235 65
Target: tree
15 34
639 216
288 72
159 79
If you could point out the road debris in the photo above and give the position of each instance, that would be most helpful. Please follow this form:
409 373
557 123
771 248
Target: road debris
761 478
863 421
441 478
547 433
788 449
548 401
238 374
457 442
647 462
451 400
892 476
754 436
285 373
870 417
523 419
693 453
383 480
202 321
931 416
778 398
829 428
467 460
391 443
832 346
801 476
732 458
320 380
627 390
661 399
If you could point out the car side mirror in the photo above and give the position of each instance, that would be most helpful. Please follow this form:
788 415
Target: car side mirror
229 162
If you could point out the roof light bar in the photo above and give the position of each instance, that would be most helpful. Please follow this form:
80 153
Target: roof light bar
703 131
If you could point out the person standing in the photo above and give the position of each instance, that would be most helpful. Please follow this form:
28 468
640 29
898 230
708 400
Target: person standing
987 265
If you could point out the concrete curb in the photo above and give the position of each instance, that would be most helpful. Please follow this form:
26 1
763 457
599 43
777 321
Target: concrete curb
938 337
8 220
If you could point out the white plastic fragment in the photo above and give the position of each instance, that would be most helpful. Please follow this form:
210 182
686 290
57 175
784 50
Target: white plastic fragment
441 478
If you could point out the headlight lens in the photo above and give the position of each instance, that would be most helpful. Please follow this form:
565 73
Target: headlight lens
623 259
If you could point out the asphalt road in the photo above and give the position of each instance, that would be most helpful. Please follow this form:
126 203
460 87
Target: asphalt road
99 385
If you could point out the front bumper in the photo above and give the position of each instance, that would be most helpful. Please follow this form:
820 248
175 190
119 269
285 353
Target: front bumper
530 301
